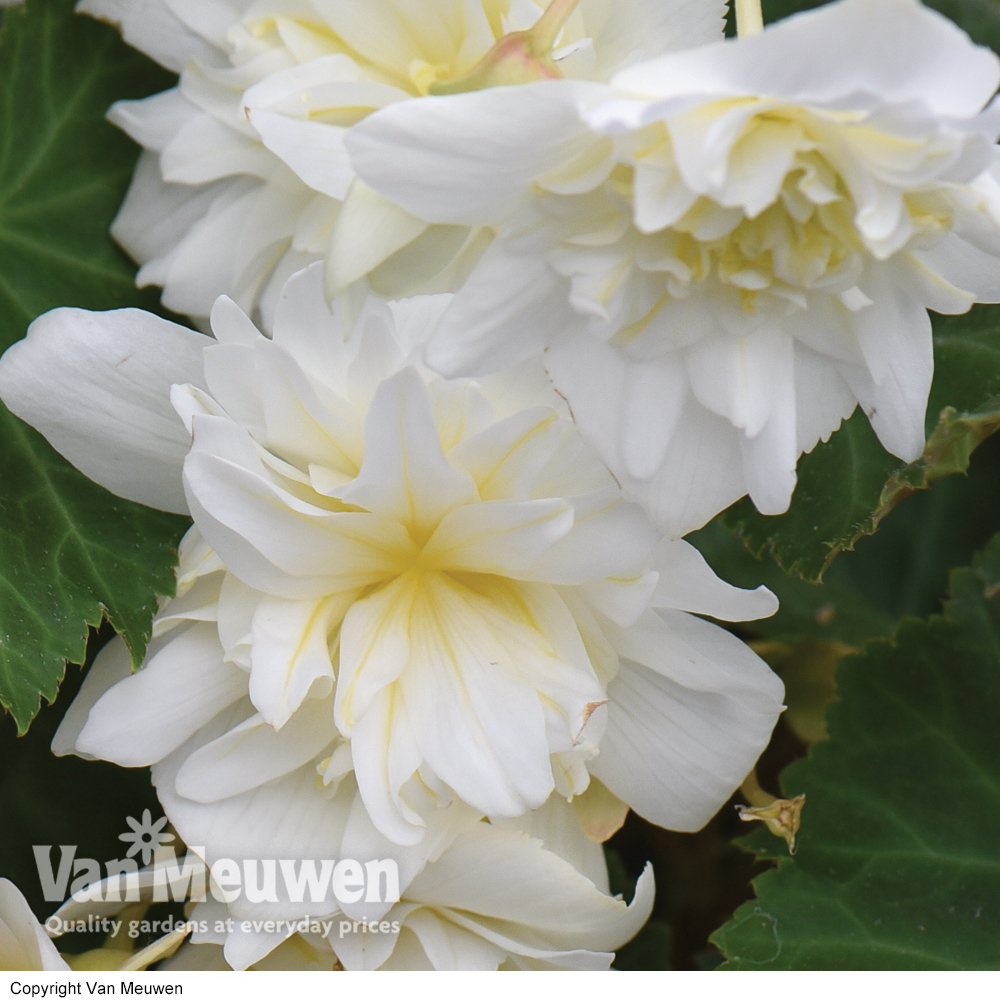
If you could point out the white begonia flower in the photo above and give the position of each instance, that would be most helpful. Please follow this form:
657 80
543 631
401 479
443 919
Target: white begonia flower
244 171
746 251
473 896
530 894
24 944
438 572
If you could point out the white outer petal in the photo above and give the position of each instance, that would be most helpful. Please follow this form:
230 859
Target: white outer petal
97 386
148 714
24 945
691 710
688 583
699 472
843 49
151 27
470 158
571 923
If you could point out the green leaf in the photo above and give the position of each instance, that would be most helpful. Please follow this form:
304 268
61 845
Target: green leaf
848 485
71 553
866 591
834 610
650 949
897 860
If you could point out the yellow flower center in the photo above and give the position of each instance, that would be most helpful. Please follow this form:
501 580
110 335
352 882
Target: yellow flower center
803 235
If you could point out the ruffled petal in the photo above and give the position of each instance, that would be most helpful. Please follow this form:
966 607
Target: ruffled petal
405 475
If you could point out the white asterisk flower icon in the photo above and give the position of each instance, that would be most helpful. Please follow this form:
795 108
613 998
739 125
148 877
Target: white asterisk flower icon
146 836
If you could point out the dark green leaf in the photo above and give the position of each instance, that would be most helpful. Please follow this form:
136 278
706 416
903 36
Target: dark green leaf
900 570
650 949
897 860
70 553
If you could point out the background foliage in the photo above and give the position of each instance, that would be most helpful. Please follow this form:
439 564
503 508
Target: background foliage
890 728
70 553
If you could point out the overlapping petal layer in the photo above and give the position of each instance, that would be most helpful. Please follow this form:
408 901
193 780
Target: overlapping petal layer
740 244
245 177
431 584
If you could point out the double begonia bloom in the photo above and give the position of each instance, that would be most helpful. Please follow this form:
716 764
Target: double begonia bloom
435 578
245 178
739 245
525 893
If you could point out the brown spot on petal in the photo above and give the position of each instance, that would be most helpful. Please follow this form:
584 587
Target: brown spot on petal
589 710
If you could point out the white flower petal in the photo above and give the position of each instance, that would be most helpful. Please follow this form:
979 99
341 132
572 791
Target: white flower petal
290 653
155 216
150 713
314 150
964 266
233 248
738 377
260 532
841 49
691 710
394 950
364 843
688 583
111 665
448 947
700 471
506 458
463 689
405 474
369 229
609 539
894 395
470 158
823 396
550 907
557 825
97 385
385 757
151 27
148 120
501 315
24 945
639 29
505 537
253 753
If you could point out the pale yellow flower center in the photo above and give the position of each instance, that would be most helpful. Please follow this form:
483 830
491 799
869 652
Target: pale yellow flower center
803 238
